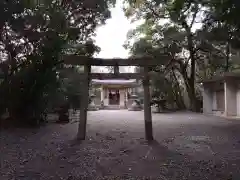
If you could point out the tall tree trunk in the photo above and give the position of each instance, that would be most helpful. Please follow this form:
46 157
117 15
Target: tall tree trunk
179 99
190 89
191 80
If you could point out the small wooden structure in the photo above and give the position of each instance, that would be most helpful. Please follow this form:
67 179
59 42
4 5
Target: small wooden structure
87 62
221 95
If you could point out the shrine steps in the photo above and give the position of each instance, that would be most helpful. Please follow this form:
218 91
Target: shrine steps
113 107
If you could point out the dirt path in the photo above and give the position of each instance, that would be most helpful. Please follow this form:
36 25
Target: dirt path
187 146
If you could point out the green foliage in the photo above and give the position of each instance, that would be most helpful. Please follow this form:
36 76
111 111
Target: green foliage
33 36
164 42
168 88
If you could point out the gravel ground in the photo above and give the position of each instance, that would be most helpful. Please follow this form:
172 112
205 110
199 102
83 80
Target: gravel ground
187 146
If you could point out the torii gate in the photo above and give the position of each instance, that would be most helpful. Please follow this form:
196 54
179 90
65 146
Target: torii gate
87 62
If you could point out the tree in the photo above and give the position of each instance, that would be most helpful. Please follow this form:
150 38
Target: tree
33 36
182 16
156 42
219 36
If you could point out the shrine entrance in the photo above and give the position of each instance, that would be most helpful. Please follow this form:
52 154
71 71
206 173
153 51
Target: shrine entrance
114 97
87 62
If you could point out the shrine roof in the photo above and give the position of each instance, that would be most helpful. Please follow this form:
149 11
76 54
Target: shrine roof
114 81
222 77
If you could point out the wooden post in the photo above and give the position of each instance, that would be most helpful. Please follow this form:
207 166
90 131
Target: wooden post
84 104
102 93
147 106
116 69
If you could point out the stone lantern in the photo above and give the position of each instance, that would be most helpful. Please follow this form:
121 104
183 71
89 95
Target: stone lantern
136 105
92 106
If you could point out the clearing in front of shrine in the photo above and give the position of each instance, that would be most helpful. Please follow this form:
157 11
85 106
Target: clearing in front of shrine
187 146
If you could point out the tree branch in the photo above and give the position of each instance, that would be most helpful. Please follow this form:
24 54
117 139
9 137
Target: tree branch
154 12
194 16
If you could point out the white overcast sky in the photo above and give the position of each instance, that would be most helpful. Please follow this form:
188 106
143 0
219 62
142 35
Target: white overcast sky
111 36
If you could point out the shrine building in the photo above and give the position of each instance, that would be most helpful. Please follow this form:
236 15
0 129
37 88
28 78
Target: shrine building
115 92
221 95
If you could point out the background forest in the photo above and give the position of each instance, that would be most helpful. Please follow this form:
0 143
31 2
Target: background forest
200 37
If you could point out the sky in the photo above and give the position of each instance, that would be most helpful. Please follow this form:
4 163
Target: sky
111 36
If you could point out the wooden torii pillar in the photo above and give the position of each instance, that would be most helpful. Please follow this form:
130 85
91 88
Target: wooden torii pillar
147 106
81 135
